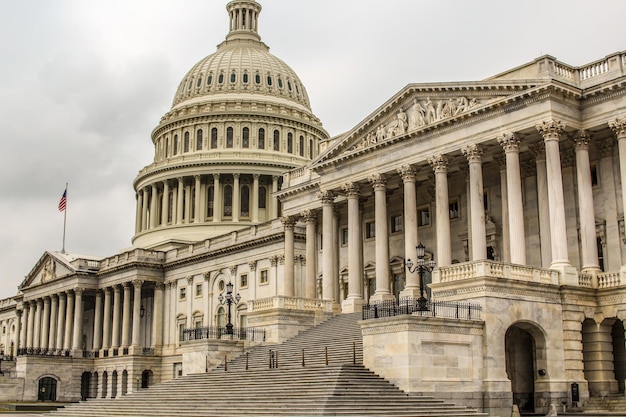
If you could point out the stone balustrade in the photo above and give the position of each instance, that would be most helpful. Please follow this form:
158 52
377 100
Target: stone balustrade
494 269
290 303
609 279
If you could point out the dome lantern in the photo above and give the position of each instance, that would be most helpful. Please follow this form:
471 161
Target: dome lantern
244 18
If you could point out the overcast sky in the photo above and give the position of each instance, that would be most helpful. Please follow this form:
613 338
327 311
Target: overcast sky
84 82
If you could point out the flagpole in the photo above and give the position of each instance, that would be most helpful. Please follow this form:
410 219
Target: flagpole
64 218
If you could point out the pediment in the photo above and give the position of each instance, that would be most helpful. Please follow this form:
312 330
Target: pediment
51 266
419 108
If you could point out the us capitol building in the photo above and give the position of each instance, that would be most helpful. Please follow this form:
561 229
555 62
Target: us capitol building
252 216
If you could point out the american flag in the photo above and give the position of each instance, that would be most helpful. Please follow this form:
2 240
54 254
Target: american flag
63 201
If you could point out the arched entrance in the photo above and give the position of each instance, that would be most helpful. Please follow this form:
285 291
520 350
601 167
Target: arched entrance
85 382
525 360
47 389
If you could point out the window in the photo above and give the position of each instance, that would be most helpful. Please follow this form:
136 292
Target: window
262 197
261 138
243 281
229 137
290 142
454 209
486 200
289 85
301 145
228 200
182 295
263 279
245 201
245 138
221 285
233 77
594 175
396 224
280 82
175 150
209 79
199 82
214 138
210 201
344 236
311 149
269 80
220 79
170 212
187 144
199 140
257 78
423 216
167 147
370 230
245 78
276 140
198 290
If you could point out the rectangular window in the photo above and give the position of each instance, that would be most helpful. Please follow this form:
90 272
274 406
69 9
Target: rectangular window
182 293
594 175
243 281
344 236
198 290
370 230
423 216
396 224
454 209
486 200
263 279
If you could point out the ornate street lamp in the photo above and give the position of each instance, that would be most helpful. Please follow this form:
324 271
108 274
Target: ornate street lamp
229 300
421 268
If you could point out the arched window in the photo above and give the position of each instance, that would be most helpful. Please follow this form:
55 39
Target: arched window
280 82
209 79
276 140
199 82
175 150
245 201
199 143
229 137
257 78
228 200
269 80
290 142
170 210
310 148
261 138
233 77
289 85
210 197
221 317
301 145
245 138
187 144
220 79
167 147
262 197
214 138
245 78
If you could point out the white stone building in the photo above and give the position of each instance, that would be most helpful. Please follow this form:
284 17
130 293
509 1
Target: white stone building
515 185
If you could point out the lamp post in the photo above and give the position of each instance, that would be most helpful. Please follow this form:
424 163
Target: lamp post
421 268
229 299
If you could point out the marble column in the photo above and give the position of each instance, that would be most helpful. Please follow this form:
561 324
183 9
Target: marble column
25 318
354 301
97 322
138 211
551 132
618 126
198 215
328 280
383 291
45 325
144 209
274 200
310 218
180 200
506 241
61 321
136 333
439 164
474 155
289 224
586 213
157 316
18 332
544 208
106 325
236 198
165 208
117 292
254 206
30 334
167 312
37 330
78 319
126 316
410 230
69 321
612 254
54 316
511 144
154 199
217 199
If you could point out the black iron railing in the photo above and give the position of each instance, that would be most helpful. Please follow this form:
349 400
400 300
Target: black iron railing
243 333
411 306
42 352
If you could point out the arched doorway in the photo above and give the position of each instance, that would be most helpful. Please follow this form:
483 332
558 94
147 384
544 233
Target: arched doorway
85 382
47 389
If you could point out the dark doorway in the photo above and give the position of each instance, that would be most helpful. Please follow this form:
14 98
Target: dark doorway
85 381
47 389
520 367
146 377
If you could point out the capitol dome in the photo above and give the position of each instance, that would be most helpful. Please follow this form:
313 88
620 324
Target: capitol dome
240 118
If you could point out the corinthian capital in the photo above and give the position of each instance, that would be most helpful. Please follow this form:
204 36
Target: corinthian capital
351 189
550 129
309 216
509 142
581 140
327 197
288 222
473 152
407 173
618 126
378 181
439 163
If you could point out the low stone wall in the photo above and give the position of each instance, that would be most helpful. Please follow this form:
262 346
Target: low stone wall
11 389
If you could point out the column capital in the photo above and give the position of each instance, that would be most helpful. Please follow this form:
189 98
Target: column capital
618 126
79 291
126 285
510 142
289 222
232 270
500 160
256 176
69 292
439 163
606 147
205 275
197 177
351 189
216 177
539 150
327 197
252 265
473 153
138 283
159 286
273 260
180 180
190 279
550 129
309 216
407 172
378 181
581 140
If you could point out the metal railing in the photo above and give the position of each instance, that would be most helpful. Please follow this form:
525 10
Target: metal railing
244 333
42 352
411 306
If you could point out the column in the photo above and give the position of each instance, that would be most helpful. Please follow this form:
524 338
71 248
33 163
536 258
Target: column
106 331
157 316
474 155
31 325
236 198
138 211
544 208
117 292
439 163
217 200
24 334
45 325
179 203
410 229
144 209
165 207
511 144
37 330
354 301
18 332
187 205
54 316
310 218
289 224
167 312
69 321
274 200
126 316
383 291
618 126
61 322
154 218
612 253
551 132
586 214
255 198
328 281
97 322
136 335
335 252
78 319
198 215
506 245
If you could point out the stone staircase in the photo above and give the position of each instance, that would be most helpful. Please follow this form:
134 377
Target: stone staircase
611 403
248 386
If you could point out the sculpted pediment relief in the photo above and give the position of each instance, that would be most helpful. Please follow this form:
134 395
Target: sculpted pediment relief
48 268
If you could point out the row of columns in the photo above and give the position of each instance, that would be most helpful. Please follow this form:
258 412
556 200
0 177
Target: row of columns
151 213
551 213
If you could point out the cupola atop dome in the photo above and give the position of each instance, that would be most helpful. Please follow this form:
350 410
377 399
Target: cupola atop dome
244 19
